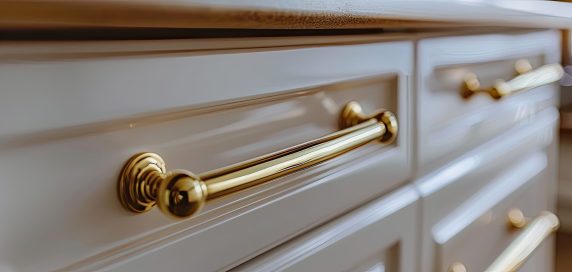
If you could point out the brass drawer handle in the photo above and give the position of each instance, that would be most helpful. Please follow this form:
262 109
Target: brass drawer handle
144 181
531 237
512 258
526 80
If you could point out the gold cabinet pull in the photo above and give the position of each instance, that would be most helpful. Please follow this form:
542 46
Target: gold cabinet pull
531 237
145 182
526 80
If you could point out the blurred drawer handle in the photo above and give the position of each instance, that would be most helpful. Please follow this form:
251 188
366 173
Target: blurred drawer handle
518 251
144 181
526 80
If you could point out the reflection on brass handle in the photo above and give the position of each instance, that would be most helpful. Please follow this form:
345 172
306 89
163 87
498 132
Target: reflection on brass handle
526 80
144 181
526 242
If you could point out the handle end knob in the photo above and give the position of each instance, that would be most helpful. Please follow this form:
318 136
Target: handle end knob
516 219
352 114
137 181
552 219
182 194
391 127
143 183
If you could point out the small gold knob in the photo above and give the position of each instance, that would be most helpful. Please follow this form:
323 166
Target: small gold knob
516 219
457 267
471 85
144 180
522 66
352 114
182 194
472 82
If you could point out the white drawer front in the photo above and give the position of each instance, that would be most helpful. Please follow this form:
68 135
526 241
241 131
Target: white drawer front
380 236
72 219
518 154
477 231
448 124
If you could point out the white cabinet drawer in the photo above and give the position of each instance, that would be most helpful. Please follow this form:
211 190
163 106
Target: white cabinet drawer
449 124
464 204
193 110
477 232
381 236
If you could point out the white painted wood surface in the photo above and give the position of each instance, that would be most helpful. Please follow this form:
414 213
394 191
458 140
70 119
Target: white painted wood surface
70 123
476 232
79 120
380 236
43 92
449 125
451 200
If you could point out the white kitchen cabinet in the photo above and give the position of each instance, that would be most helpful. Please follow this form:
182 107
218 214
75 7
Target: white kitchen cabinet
73 113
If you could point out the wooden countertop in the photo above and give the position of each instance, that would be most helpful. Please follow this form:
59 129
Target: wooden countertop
281 14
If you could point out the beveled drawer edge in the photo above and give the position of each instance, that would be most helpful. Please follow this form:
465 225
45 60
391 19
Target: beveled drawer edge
484 153
155 117
340 228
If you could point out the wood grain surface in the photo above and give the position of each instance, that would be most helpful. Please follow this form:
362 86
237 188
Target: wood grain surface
280 14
